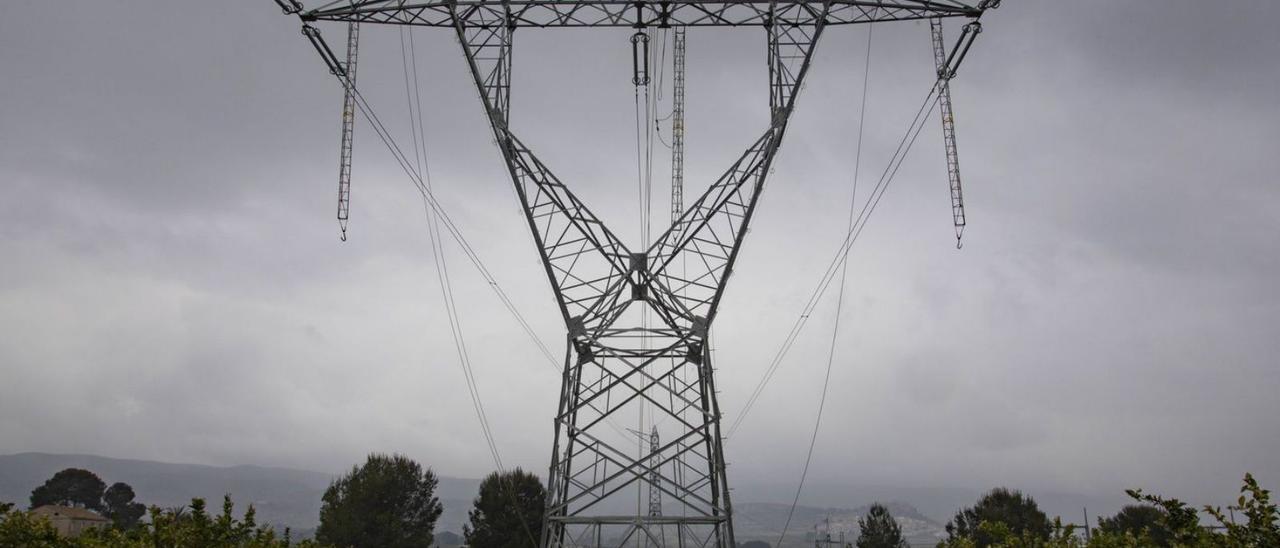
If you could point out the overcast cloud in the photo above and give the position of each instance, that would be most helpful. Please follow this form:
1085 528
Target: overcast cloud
174 287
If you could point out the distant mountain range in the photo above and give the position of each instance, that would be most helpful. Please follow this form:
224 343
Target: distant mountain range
286 497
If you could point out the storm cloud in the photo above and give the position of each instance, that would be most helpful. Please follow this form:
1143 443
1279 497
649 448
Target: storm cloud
173 285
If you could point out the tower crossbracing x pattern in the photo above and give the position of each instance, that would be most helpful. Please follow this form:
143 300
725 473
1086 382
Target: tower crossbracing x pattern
616 360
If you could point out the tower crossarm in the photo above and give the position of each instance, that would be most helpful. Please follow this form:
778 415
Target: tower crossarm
631 13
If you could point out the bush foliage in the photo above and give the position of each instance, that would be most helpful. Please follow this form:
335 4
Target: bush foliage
1153 521
187 527
1174 523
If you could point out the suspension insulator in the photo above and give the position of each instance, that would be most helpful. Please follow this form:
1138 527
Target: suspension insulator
640 58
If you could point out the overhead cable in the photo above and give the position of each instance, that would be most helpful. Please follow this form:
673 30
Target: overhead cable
844 274
842 253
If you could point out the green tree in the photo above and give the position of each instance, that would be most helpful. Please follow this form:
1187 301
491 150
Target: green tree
508 512
388 502
878 529
1016 512
71 487
119 505
1262 520
1140 521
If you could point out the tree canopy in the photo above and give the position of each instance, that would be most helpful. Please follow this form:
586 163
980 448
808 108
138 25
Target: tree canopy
878 529
508 512
1256 525
82 488
119 506
1014 511
1139 520
388 502
71 487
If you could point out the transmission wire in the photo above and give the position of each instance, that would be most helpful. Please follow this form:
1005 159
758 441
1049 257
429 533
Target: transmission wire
440 259
841 255
643 165
367 111
844 273
442 274
429 199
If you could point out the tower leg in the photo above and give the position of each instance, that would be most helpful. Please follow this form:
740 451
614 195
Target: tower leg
595 472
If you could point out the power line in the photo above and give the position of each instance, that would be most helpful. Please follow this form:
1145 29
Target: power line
367 111
442 274
891 170
442 268
844 273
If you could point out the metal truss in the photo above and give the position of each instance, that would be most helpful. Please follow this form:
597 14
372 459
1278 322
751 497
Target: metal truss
613 365
947 66
618 363
630 13
348 125
678 46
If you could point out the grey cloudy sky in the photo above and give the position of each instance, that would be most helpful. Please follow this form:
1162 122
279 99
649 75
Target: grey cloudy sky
174 287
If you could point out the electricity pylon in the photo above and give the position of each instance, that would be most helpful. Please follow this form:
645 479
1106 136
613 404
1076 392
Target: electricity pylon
615 363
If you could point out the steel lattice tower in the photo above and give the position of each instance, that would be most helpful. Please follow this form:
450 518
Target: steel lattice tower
613 363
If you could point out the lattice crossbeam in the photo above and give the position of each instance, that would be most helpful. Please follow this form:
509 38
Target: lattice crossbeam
618 13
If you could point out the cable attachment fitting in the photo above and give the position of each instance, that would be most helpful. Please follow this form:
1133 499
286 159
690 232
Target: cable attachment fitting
640 58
